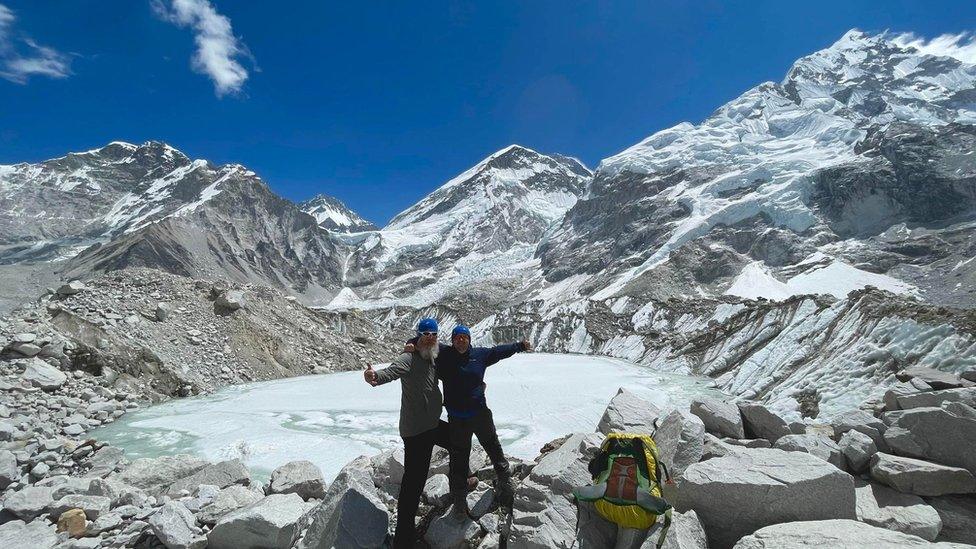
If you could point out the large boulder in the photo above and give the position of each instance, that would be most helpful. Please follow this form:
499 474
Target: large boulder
628 412
351 513
274 522
298 477
41 374
814 444
176 528
686 532
157 474
857 448
447 532
30 502
221 474
759 422
946 435
922 478
861 421
9 472
231 300
833 534
958 514
886 508
937 379
737 494
93 506
71 288
721 418
38 534
228 499
544 512
935 399
680 440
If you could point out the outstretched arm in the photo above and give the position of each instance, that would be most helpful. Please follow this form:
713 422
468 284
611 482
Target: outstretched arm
397 369
501 352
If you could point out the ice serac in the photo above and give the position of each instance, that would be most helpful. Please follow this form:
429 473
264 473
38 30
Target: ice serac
333 215
854 170
482 226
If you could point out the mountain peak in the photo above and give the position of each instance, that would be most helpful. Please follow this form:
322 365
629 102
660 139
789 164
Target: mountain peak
331 214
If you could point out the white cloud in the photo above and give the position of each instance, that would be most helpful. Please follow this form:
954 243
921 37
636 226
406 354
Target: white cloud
18 64
961 46
218 50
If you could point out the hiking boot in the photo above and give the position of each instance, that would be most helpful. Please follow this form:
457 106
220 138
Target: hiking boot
472 483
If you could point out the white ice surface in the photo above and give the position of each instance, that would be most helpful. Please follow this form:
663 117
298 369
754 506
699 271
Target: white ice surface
331 419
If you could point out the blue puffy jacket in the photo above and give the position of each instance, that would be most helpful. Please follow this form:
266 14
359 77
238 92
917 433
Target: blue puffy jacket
464 376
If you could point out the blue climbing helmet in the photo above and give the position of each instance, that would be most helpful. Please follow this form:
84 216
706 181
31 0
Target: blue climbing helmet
427 325
460 329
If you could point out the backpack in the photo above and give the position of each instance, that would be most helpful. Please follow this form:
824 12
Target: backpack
626 487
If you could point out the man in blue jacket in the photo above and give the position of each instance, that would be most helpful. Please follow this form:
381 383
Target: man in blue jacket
461 368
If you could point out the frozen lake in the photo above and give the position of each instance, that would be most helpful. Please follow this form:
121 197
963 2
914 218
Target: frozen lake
332 419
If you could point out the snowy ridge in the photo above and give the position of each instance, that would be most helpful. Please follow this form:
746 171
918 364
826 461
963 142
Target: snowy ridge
333 215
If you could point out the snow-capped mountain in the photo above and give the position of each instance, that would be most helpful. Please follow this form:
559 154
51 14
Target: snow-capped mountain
857 169
480 227
124 205
55 209
333 215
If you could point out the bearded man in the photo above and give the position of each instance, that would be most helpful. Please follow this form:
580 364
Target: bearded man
420 425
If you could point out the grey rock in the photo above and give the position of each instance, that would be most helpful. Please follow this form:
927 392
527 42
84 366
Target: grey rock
886 508
106 460
93 506
163 311
934 399
29 502
969 375
759 481
7 431
271 523
814 444
38 534
628 412
680 440
176 528
351 514
857 448
863 422
437 491
298 477
104 523
9 472
748 442
220 474
720 418
41 374
447 532
835 534
946 435
958 514
228 499
156 474
388 469
231 300
544 514
922 478
759 422
936 378
71 288
686 532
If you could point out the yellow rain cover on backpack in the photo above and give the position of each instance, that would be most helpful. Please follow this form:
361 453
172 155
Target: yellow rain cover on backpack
628 485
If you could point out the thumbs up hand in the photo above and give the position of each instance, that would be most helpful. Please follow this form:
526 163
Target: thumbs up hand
370 376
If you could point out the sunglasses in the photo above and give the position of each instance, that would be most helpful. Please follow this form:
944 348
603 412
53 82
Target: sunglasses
428 333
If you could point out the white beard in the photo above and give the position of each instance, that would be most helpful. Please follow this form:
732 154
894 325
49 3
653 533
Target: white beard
430 353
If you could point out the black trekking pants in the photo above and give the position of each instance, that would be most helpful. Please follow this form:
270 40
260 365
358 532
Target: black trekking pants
481 425
416 464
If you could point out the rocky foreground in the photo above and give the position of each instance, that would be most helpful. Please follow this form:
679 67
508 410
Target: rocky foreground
901 474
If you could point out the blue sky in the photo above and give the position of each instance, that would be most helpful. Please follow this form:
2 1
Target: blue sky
378 103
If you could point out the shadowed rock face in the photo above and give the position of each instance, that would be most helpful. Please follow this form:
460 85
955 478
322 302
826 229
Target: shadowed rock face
909 174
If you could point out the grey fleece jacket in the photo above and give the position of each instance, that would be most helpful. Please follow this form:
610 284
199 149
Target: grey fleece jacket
420 397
